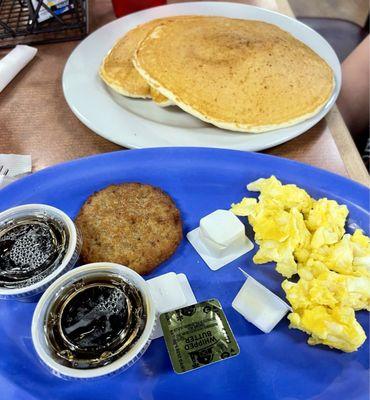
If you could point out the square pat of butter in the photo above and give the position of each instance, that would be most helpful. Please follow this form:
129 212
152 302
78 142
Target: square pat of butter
169 291
220 239
222 227
166 292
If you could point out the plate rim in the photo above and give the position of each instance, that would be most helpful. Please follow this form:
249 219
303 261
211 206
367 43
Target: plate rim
311 172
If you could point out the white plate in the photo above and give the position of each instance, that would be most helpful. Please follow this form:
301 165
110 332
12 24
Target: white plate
141 123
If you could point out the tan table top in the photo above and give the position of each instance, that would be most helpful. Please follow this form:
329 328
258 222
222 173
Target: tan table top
35 119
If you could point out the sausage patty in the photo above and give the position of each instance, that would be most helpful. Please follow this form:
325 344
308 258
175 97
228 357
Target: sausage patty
132 224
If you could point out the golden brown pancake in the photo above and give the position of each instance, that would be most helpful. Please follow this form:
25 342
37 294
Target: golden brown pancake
237 74
117 70
132 224
159 99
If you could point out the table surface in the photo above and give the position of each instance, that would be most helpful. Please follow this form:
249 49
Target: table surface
35 119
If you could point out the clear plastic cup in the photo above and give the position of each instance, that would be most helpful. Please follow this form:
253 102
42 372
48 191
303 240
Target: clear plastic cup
32 292
126 360
259 305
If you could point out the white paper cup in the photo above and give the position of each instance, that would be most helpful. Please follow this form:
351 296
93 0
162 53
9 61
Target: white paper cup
47 299
31 292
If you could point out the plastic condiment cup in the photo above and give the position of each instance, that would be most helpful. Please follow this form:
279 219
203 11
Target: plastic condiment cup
31 293
169 291
166 292
47 299
259 305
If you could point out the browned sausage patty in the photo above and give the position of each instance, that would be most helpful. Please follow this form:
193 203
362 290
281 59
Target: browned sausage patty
132 224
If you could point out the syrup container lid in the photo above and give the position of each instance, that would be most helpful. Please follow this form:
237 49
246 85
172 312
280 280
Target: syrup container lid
127 359
66 262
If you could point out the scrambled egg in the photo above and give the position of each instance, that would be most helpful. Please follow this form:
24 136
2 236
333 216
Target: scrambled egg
307 237
335 327
278 222
326 221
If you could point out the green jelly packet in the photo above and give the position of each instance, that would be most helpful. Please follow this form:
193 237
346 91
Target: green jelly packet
198 335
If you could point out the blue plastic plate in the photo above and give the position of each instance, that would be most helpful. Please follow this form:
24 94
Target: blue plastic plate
279 365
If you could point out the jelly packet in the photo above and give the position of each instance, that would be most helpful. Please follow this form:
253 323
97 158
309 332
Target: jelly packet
57 6
198 335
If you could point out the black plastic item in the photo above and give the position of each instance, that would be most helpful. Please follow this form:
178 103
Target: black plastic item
18 23
344 36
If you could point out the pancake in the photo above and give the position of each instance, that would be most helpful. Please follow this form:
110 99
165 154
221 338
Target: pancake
117 70
132 224
159 99
240 75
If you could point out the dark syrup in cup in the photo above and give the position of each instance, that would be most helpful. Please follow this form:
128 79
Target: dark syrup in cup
31 248
94 321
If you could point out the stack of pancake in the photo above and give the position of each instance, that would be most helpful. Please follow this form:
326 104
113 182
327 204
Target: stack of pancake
240 75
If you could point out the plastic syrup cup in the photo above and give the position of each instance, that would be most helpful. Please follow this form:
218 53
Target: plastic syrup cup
126 360
32 292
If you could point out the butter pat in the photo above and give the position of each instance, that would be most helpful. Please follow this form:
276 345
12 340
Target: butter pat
259 306
220 239
221 231
169 292
166 292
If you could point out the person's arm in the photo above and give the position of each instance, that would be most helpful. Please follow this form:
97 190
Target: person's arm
353 101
